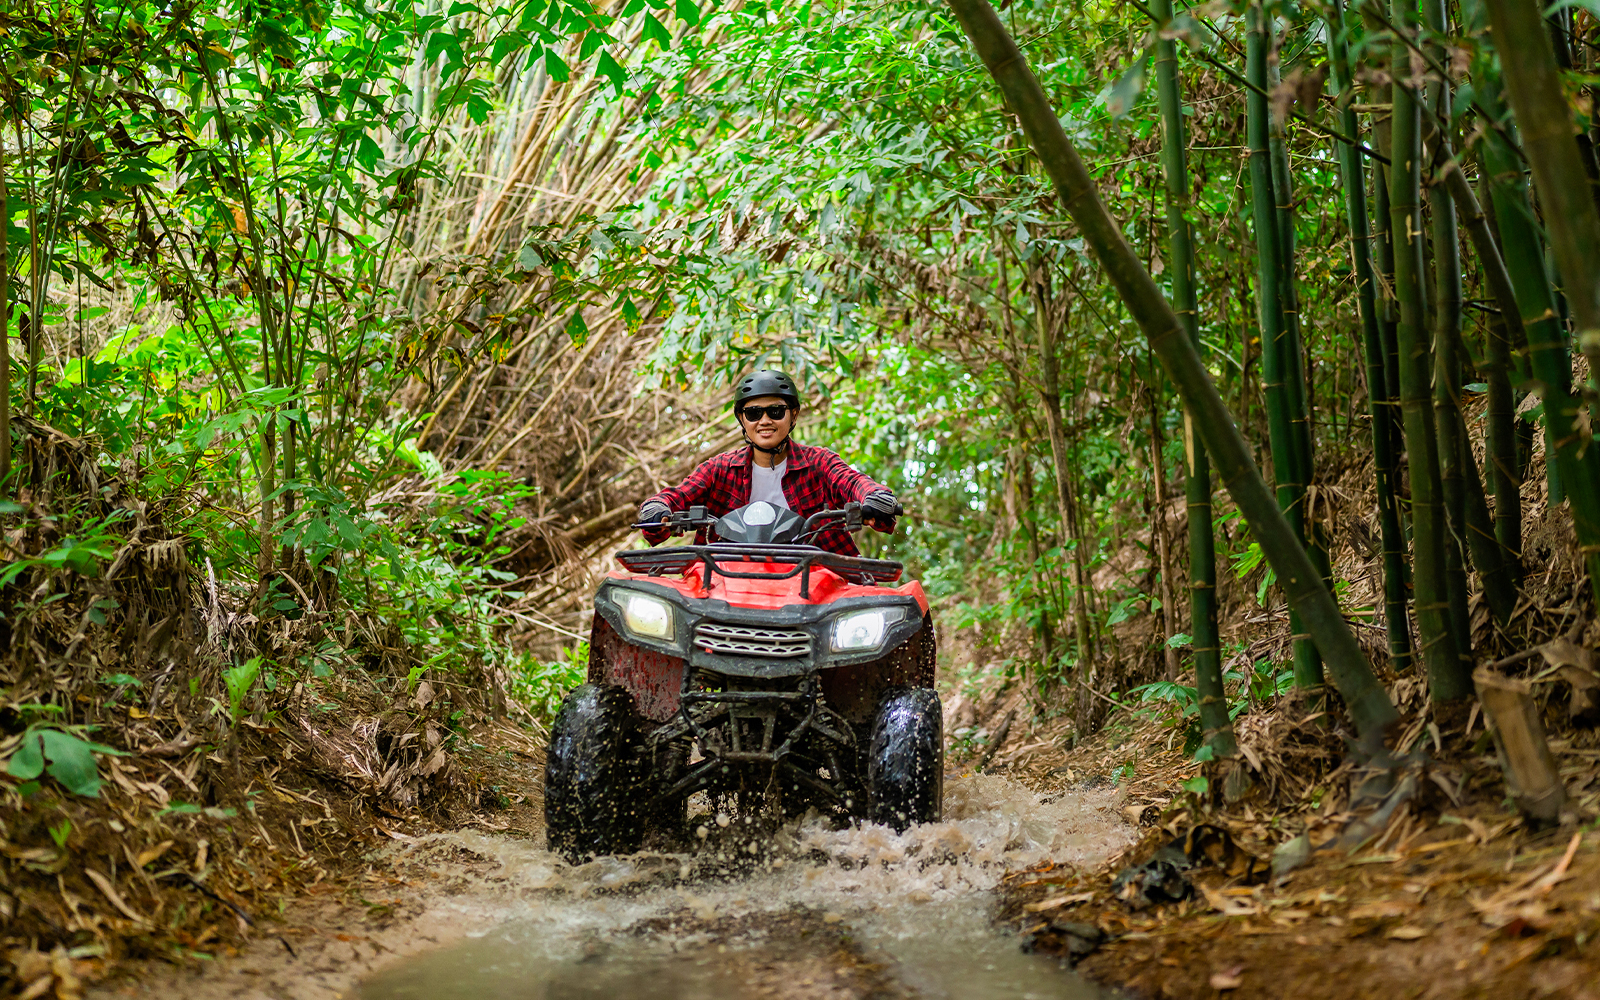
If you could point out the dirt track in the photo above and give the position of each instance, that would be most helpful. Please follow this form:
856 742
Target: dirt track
813 913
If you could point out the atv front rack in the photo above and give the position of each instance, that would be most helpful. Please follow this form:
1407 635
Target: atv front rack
799 558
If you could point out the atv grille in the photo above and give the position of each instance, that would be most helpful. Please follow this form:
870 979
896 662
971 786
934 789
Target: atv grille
744 640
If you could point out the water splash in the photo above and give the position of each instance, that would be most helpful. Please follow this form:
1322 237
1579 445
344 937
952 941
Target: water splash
917 900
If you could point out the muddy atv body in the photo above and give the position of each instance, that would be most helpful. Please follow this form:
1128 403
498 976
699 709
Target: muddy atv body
756 675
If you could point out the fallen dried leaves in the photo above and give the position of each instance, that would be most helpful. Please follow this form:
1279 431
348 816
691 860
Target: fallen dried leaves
1057 902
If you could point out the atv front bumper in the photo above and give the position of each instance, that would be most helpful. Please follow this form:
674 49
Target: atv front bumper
791 641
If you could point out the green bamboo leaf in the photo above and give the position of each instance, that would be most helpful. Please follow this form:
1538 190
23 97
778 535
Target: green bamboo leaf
478 108
688 11
507 43
16 569
27 762
609 68
556 66
241 680
1125 92
440 42
577 329
531 15
368 152
655 31
71 762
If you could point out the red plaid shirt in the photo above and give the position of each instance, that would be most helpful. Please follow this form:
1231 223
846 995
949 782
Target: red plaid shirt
816 479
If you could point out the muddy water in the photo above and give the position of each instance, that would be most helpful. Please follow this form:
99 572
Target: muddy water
810 912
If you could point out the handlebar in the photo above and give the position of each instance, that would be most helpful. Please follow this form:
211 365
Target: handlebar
681 522
851 515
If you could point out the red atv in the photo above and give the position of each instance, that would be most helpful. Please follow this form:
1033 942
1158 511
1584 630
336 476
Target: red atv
760 670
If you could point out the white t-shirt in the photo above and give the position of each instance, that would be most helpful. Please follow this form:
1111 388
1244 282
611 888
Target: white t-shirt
767 484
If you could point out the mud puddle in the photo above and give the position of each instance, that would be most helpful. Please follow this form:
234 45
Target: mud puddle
810 912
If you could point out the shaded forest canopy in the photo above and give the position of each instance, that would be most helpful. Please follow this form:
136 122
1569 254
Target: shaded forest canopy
377 319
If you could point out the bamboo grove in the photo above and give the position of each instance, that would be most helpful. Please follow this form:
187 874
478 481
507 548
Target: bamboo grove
1419 345
1156 313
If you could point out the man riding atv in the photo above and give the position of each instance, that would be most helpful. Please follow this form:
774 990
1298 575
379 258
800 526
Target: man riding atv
765 669
773 468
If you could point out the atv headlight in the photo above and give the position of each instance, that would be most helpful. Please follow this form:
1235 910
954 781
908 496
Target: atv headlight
646 615
862 629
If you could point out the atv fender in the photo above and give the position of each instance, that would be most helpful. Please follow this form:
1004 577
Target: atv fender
855 690
654 679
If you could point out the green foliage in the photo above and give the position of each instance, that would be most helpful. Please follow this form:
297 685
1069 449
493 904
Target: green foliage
176 808
211 240
50 748
240 680
81 552
540 685
1181 703
1250 560
1198 785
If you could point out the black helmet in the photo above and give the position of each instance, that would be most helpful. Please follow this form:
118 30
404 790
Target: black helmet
766 382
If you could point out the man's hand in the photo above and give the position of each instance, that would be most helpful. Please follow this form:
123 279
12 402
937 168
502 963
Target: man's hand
653 510
881 507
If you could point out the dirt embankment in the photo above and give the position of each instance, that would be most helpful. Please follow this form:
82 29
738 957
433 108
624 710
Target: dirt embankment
184 764
1416 880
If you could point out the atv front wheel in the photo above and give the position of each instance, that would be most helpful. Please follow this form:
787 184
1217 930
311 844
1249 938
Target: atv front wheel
592 800
905 760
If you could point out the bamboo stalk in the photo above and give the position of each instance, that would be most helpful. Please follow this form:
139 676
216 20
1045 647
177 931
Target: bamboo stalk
1366 699
1290 339
1379 410
1158 522
1446 679
1532 777
1500 568
1503 432
1205 643
1547 356
1050 365
1495 546
1275 311
1448 425
1389 320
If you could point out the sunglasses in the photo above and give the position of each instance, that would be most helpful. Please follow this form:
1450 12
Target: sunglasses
776 411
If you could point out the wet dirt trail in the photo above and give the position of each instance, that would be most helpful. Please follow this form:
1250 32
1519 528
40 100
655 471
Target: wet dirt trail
810 912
